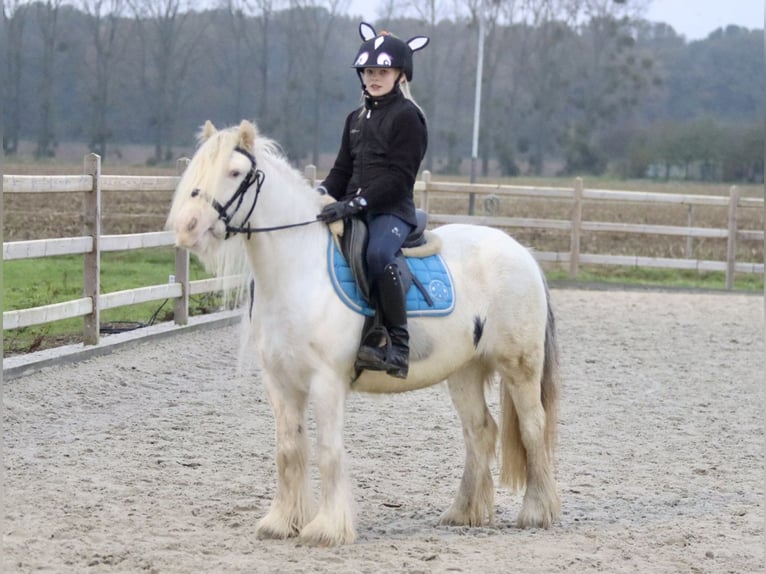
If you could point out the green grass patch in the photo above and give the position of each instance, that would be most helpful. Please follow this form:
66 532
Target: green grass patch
672 278
36 282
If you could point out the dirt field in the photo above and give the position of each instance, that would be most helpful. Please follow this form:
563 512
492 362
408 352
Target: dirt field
159 458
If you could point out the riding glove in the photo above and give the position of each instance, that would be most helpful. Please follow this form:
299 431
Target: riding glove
341 209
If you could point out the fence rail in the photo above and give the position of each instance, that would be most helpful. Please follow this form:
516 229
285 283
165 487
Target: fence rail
576 226
92 243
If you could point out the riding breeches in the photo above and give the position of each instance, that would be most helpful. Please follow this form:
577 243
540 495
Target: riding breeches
387 235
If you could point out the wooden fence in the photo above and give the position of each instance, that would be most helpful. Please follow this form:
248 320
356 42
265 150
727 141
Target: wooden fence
92 243
575 226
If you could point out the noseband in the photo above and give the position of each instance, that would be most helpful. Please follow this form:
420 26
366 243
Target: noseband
254 176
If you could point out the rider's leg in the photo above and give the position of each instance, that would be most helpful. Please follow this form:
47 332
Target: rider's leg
387 234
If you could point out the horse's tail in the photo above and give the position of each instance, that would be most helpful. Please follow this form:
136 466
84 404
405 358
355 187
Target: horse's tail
513 469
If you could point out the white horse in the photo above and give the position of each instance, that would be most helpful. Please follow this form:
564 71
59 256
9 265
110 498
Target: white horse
240 196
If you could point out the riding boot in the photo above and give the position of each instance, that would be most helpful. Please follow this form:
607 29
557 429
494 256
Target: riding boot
399 357
390 352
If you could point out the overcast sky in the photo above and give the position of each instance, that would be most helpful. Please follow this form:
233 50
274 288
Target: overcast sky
694 19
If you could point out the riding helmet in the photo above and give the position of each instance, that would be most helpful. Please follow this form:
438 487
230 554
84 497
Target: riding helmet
385 50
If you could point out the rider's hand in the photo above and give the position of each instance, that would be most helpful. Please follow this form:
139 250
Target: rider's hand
341 209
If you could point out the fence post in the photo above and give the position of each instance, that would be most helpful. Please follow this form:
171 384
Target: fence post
424 197
92 260
731 244
689 238
181 305
574 244
310 173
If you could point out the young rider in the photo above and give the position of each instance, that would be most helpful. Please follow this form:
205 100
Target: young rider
383 144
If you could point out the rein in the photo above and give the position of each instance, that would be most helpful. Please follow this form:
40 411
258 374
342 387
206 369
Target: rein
254 176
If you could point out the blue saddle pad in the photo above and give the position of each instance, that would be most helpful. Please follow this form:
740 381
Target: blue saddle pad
431 271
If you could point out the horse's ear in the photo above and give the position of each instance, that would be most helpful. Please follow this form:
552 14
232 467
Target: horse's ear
366 31
247 135
208 130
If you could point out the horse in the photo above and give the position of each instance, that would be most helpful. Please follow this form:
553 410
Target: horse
239 200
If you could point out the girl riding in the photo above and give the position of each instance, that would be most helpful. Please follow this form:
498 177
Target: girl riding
383 144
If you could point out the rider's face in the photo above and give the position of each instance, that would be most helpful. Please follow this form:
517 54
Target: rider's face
380 81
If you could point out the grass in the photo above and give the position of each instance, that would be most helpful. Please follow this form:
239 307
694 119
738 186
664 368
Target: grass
36 282
663 278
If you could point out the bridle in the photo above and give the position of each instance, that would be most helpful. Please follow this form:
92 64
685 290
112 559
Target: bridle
253 176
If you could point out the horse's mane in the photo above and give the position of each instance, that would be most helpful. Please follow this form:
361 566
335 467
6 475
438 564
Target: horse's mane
271 152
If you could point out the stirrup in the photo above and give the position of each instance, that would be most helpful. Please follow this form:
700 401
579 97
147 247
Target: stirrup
374 357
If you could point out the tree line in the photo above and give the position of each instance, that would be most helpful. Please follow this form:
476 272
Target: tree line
572 86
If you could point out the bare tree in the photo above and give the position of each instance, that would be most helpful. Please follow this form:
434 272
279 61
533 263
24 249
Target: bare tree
390 9
249 22
168 46
265 11
434 60
14 19
317 22
103 24
47 18
610 74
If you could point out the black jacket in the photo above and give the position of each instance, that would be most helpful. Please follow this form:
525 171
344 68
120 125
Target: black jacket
380 153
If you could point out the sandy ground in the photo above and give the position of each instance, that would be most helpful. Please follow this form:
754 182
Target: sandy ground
158 458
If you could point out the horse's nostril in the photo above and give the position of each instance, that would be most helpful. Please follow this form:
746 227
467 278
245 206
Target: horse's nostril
195 192
192 224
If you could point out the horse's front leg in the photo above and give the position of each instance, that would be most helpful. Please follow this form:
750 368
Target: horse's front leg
333 523
292 504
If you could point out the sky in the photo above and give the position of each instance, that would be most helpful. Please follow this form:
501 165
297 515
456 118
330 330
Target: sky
694 19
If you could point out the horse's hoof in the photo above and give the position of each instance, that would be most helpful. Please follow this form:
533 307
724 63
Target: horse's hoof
324 539
319 533
537 516
268 534
268 529
456 518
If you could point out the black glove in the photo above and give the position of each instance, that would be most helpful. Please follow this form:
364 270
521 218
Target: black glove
341 209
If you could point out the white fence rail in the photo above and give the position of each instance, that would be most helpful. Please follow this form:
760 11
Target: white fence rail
93 243
576 226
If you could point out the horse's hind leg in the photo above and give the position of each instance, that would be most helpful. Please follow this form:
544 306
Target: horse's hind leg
474 503
291 508
527 454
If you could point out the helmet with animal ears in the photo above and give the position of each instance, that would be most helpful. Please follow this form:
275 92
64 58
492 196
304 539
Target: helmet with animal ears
385 50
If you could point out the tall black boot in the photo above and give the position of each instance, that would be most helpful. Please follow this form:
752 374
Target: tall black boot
393 355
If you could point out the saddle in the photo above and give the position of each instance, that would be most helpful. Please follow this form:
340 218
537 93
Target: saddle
353 246
425 276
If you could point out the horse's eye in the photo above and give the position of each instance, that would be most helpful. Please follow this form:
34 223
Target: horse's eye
235 173
195 192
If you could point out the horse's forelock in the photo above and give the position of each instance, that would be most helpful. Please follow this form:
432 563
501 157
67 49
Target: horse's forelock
212 152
